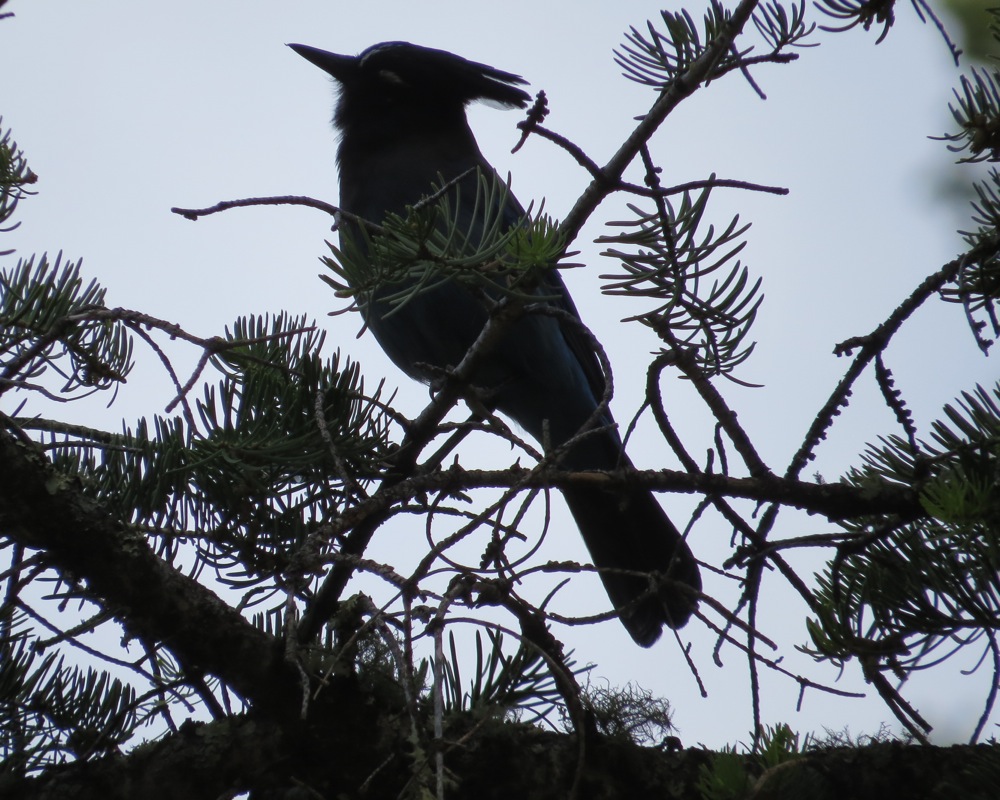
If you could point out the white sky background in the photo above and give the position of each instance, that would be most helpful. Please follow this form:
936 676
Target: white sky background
126 109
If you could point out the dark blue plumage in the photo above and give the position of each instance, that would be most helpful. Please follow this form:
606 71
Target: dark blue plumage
401 116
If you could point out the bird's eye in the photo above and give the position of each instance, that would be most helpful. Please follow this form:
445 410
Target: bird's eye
391 77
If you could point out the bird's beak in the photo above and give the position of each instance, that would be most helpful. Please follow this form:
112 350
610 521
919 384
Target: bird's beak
340 67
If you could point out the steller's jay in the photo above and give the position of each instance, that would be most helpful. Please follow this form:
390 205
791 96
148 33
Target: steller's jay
401 117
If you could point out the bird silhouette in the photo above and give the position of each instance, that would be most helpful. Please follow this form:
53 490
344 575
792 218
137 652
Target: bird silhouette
403 132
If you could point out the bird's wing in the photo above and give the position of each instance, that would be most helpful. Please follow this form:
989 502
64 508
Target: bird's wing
553 286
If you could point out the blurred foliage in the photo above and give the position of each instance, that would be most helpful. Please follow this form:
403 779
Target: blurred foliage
972 18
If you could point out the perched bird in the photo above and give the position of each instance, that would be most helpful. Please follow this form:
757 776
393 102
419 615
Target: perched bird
403 132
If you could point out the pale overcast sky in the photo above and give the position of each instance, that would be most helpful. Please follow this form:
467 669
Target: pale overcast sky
127 109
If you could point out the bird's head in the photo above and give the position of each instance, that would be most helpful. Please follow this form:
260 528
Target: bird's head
398 83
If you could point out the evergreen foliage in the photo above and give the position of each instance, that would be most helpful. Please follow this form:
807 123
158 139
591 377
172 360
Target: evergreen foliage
237 521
